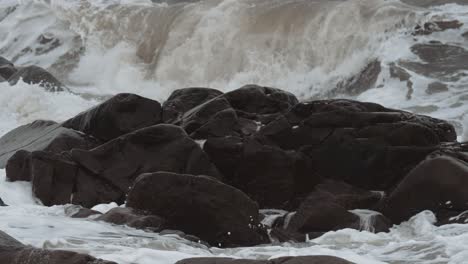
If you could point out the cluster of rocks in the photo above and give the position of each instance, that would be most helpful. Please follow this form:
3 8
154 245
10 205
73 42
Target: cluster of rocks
204 162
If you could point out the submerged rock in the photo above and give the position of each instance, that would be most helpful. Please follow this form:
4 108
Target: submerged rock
201 206
13 252
133 218
440 61
436 26
436 87
76 211
361 82
283 260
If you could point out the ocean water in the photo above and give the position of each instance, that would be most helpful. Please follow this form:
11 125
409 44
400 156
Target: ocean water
103 47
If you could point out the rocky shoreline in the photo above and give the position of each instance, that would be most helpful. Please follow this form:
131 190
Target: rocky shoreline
203 163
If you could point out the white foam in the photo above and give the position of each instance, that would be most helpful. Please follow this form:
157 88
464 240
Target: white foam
136 46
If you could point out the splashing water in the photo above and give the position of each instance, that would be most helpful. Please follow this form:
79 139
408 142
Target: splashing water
153 47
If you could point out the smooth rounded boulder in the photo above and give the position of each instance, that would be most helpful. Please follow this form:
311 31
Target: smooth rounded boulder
202 206
121 114
260 100
14 252
283 260
438 183
182 100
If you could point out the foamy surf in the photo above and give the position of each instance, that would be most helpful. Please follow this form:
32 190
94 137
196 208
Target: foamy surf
305 47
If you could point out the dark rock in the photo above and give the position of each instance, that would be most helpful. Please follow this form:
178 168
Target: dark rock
105 174
260 100
182 100
440 61
366 164
402 75
138 219
223 123
436 26
122 114
284 260
7 69
233 114
380 223
367 140
316 215
18 167
327 208
178 233
360 82
269 175
214 118
217 213
37 75
44 136
399 73
428 3
436 87
56 179
155 148
2 203
48 42
273 177
330 207
76 211
53 178
226 153
313 123
452 217
13 252
285 235
437 183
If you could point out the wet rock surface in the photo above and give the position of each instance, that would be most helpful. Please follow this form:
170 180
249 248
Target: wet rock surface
42 135
122 114
436 184
223 156
37 75
138 219
14 252
361 82
440 61
217 213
